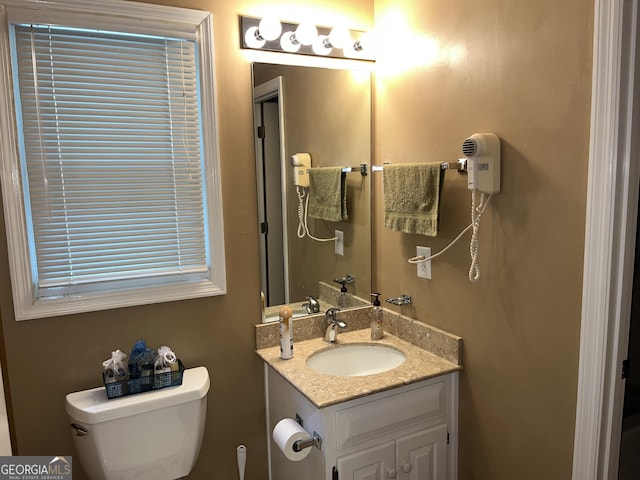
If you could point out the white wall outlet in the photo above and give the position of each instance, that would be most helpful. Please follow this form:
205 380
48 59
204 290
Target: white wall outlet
339 242
424 268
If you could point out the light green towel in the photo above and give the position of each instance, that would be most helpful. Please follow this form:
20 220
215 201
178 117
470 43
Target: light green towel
327 194
412 197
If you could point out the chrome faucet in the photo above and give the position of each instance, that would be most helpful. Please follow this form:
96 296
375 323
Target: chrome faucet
331 335
311 305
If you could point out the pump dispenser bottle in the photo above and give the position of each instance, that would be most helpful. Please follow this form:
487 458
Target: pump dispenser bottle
377 331
342 298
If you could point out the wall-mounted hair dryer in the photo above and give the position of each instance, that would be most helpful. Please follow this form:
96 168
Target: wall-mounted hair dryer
483 165
301 163
482 151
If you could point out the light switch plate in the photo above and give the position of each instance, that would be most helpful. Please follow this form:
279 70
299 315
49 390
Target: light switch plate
424 268
339 242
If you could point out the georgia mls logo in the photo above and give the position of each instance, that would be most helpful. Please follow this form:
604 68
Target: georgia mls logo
60 466
35 468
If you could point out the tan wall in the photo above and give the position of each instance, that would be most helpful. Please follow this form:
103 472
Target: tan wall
523 71
47 358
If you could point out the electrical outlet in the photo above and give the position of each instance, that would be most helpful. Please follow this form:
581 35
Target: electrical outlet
339 242
424 268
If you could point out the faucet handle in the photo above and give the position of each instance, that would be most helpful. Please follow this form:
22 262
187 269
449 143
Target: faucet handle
312 300
331 314
332 329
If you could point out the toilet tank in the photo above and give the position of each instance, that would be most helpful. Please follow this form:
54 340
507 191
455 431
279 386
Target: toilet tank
148 436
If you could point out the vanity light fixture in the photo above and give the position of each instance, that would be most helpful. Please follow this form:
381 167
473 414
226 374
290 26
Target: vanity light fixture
321 46
278 36
339 38
268 29
304 34
363 44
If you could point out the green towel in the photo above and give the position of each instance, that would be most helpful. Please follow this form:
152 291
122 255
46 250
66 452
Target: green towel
412 197
327 194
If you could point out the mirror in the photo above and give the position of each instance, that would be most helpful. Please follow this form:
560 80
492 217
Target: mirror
325 113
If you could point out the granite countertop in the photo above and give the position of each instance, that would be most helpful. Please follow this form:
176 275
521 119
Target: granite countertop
325 390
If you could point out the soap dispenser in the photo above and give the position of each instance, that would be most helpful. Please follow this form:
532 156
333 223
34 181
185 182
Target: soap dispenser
342 298
377 331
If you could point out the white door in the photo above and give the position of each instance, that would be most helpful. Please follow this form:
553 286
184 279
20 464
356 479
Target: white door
376 463
423 455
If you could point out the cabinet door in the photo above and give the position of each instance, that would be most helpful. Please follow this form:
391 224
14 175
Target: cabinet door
423 455
376 463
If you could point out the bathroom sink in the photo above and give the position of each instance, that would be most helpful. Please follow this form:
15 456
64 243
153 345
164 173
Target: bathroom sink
355 360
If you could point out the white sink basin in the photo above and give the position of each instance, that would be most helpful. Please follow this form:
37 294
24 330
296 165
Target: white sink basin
356 360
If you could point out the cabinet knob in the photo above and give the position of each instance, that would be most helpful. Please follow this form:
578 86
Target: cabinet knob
406 467
392 473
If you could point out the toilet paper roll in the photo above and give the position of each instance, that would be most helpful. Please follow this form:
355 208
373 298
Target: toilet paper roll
286 432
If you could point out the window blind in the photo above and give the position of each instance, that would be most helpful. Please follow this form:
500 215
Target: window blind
111 155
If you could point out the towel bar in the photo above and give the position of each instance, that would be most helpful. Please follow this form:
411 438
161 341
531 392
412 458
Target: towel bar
363 169
461 166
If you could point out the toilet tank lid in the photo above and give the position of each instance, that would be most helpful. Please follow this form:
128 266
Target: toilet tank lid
93 406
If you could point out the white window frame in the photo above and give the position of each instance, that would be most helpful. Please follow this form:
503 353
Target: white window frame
134 18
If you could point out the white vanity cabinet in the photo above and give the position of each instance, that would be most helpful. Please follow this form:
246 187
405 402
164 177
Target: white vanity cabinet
405 433
417 456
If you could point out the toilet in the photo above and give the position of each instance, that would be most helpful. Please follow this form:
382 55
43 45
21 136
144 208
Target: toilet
149 436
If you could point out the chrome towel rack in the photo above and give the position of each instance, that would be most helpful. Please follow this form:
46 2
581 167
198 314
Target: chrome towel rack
460 166
363 169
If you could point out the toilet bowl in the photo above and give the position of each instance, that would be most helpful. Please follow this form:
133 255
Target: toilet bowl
148 436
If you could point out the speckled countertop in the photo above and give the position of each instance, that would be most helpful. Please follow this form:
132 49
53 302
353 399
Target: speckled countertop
324 390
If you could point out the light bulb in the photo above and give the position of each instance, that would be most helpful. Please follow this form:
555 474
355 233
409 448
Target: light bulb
361 47
320 45
270 28
253 39
289 43
339 37
306 33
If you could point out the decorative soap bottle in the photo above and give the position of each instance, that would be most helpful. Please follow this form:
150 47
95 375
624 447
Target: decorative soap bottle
286 333
377 331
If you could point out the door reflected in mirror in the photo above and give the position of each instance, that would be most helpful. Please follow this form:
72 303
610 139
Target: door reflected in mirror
310 259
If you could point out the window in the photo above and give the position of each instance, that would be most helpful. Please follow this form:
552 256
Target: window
112 192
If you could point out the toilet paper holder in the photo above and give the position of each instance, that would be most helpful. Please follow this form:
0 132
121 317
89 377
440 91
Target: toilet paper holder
315 441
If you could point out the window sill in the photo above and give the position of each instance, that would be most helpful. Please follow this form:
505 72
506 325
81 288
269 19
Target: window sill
71 304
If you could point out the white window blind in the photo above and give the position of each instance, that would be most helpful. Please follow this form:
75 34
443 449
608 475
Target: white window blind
111 155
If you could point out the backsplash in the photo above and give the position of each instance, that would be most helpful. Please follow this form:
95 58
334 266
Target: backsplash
431 339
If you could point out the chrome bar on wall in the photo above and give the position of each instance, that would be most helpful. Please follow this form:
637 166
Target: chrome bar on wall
461 166
363 169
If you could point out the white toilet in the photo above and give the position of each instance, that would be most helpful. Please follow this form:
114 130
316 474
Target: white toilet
149 436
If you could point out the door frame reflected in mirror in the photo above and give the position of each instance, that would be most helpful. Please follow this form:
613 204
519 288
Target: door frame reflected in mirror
268 114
